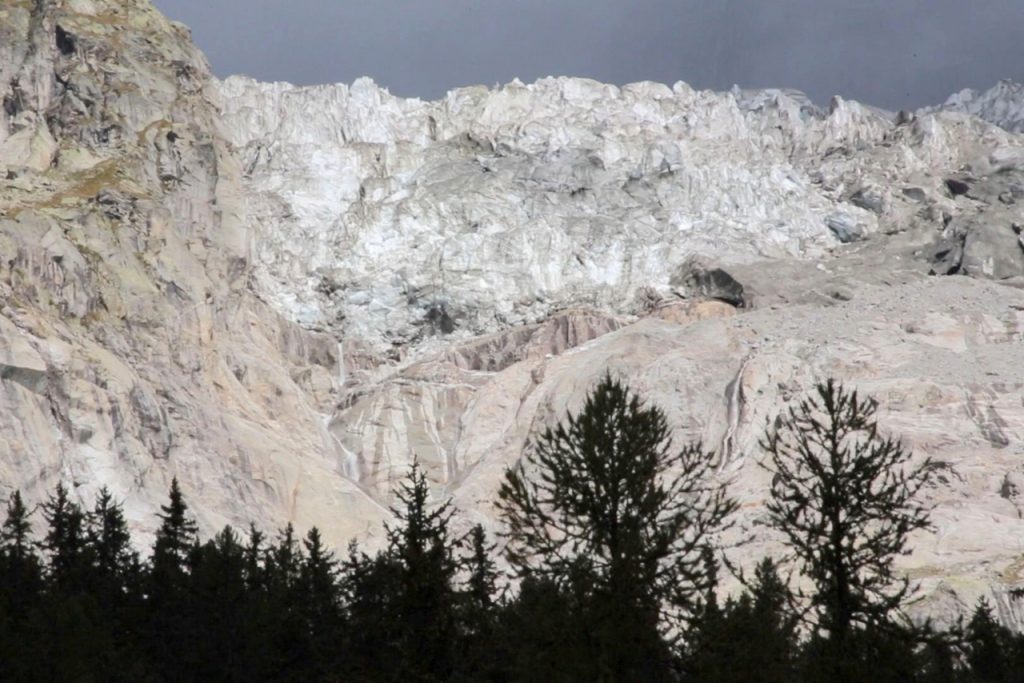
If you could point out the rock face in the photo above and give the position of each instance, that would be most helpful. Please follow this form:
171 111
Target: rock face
280 295
131 346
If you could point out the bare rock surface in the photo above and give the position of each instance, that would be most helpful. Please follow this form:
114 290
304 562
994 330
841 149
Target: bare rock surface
281 295
131 346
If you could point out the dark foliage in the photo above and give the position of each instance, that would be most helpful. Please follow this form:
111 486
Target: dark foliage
845 499
593 603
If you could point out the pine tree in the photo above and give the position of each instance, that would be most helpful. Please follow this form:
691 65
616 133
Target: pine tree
319 600
403 605
65 540
21 586
542 635
212 611
372 587
115 585
844 499
754 637
989 647
177 533
426 608
79 632
110 540
16 533
166 619
479 658
606 493
286 631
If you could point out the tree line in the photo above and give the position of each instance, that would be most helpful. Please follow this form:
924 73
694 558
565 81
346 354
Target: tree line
609 569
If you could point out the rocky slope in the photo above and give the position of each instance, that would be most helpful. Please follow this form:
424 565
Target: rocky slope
131 346
281 294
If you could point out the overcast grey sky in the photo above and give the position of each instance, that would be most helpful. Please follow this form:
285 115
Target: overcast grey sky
891 53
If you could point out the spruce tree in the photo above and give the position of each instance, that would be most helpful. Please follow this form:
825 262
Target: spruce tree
176 535
212 611
167 617
115 584
16 533
79 630
319 601
65 541
421 544
753 637
480 657
110 540
286 632
21 587
607 494
989 647
845 499
402 603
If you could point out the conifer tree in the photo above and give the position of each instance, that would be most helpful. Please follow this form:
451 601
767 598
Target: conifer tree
421 545
167 617
481 570
110 541
255 567
21 586
752 637
845 499
606 494
79 631
177 534
213 611
16 533
319 601
65 540
990 648
403 605
481 657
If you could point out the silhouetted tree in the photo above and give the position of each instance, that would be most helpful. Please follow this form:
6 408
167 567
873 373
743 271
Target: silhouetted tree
167 616
21 586
480 656
65 540
751 638
608 494
403 605
845 499
994 653
318 595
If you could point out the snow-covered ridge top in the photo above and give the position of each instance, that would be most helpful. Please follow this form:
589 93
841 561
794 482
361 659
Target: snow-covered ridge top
1002 105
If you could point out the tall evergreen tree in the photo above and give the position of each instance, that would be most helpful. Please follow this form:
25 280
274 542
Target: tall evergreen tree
480 656
80 641
115 584
845 500
167 617
606 493
212 611
319 600
403 604
752 638
110 540
176 535
21 587
990 648
286 632
65 540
